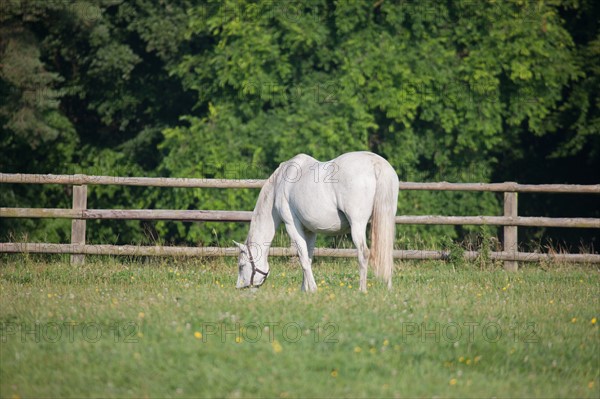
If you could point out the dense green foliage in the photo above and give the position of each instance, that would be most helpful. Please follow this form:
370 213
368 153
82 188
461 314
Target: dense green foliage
456 91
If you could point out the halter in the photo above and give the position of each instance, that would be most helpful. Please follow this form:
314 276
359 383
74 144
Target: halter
255 270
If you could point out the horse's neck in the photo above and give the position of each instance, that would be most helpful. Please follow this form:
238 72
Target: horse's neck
265 219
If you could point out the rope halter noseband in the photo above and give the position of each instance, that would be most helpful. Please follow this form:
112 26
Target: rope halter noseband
255 270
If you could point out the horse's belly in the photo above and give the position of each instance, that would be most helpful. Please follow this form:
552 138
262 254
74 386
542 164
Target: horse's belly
325 222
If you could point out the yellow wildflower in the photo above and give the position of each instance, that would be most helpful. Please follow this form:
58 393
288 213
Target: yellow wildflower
277 348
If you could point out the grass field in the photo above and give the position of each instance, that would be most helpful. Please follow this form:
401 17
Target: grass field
177 328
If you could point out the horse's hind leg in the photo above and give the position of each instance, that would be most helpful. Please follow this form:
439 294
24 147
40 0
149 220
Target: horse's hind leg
359 237
304 243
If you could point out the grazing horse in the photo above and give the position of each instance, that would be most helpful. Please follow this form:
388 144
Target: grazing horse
332 197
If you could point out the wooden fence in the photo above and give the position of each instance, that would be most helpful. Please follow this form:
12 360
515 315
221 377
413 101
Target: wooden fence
80 213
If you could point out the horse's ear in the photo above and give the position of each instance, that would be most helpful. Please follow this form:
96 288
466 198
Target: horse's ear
242 247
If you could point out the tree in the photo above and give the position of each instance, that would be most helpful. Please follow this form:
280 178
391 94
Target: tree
438 89
457 91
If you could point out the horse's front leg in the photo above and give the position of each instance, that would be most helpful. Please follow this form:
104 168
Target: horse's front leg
308 277
304 243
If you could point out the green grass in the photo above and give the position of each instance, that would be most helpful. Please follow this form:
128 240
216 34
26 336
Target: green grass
178 328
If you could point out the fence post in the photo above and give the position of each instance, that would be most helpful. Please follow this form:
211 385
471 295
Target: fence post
78 225
510 232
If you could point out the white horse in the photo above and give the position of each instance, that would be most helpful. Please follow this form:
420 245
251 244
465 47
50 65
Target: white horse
332 197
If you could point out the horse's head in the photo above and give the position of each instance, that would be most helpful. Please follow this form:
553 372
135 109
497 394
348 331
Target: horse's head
251 271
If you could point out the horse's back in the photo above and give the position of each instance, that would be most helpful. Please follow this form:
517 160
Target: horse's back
359 173
323 194
361 160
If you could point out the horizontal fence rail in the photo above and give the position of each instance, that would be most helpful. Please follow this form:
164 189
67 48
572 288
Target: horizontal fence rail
129 214
246 216
130 181
79 214
147 250
81 179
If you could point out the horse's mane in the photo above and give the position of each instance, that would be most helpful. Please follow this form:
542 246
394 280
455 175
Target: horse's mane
264 203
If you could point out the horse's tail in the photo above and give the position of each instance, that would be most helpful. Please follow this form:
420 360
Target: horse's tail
383 223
